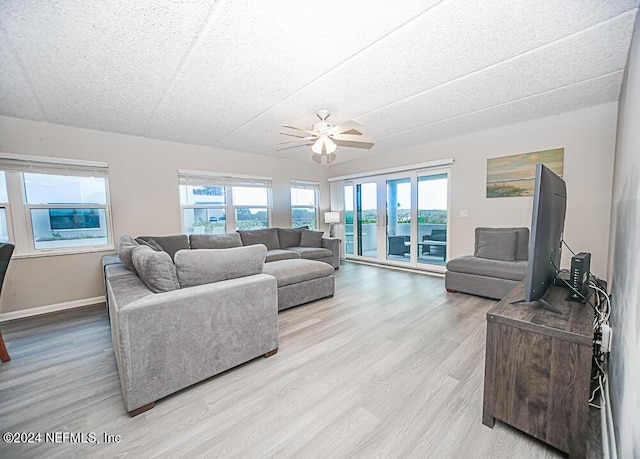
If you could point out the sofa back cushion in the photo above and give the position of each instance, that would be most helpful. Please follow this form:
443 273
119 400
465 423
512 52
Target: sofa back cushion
310 238
150 243
522 240
267 237
126 244
289 237
198 266
170 244
497 245
156 269
215 241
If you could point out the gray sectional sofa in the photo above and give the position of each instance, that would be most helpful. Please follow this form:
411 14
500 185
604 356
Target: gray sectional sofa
181 312
169 340
499 263
281 243
293 243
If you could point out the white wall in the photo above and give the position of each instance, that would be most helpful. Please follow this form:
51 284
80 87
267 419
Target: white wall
624 369
144 198
588 137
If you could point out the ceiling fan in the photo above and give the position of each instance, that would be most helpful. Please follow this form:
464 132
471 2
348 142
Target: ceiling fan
324 138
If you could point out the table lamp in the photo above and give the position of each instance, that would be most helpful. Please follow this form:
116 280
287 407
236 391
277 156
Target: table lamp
332 218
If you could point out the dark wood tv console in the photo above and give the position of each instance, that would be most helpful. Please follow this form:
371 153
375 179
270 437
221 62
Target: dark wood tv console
538 369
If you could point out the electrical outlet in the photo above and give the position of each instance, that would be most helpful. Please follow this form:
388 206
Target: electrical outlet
463 213
606 331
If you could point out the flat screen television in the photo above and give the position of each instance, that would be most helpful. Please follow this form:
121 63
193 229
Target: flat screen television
547 227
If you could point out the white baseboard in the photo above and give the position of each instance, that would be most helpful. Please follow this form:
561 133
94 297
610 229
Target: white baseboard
6 316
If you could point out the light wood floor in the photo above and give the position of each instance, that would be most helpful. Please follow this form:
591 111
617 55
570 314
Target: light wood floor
392 366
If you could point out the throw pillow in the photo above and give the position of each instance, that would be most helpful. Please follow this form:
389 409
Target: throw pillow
126 244
289 237
156 270
267 236
310 238
215 241
497 245
150 243
170 244
197 267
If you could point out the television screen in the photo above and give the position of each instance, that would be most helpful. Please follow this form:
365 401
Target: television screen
547 227
70 219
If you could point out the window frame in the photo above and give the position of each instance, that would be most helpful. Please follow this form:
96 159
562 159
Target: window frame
6 205
18 210
194 178
306 185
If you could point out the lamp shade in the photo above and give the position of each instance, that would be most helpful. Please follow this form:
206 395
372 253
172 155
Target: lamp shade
324 145
332 217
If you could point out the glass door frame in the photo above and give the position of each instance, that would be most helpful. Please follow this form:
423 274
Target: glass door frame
382 218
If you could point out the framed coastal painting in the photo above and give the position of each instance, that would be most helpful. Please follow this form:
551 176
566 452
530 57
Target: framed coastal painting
514 175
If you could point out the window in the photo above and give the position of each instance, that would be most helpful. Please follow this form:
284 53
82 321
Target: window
54 205
251 207
4 202
216 204
203 209
304 203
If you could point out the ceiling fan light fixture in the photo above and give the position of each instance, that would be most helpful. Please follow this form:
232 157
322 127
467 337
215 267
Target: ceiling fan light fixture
324 145
324 138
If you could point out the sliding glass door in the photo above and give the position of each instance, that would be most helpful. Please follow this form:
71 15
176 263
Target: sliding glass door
367 219
399 219
433 215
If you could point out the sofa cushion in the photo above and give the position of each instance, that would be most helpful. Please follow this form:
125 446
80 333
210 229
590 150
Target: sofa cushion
309 238
511 270
205 266
126 244
170 244
280 254
497 245
288 272
522 242
150 243
155 269
215 241
289 237
311 253
267 237
126 287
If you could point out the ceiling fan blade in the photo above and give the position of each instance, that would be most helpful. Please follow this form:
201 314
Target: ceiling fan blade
356 141
347 127
300 139
288 147
299 135
346 143
300 129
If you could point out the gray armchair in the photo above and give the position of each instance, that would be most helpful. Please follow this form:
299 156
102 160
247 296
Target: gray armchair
498 264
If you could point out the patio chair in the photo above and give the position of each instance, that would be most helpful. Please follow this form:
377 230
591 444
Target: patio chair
398 245
437 235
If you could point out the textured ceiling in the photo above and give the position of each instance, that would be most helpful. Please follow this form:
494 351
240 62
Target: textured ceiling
228 74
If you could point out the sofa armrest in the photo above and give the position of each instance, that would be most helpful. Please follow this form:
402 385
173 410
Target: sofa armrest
171 340
332 244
